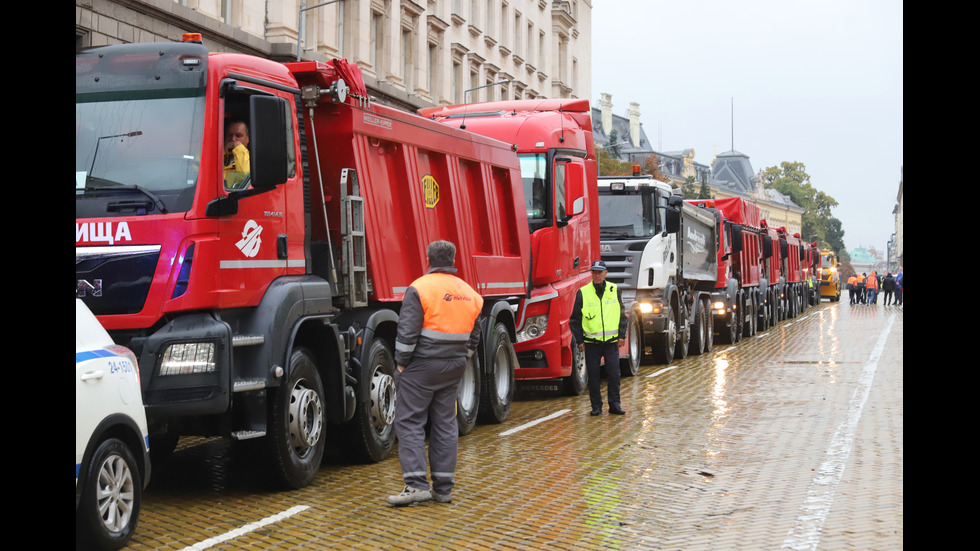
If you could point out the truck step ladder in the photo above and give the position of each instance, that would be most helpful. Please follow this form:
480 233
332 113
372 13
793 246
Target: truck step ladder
354 248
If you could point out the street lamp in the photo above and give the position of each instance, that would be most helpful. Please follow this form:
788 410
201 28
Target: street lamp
499 82
301 28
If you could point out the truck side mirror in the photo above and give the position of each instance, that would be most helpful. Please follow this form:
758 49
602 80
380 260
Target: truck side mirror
736 238
672 214
766 246
574 189
268 139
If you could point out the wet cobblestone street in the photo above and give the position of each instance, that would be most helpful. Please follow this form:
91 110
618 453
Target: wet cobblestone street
789 439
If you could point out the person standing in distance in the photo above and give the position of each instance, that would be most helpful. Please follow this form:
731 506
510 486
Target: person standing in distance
599 327
437 333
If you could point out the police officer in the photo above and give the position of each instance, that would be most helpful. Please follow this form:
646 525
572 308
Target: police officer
599 327
437 332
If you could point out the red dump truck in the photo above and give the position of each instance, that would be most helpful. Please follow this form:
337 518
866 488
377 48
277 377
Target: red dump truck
262 302
553 138
740 298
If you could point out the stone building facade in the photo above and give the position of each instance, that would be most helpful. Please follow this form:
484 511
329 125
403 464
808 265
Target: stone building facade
412 53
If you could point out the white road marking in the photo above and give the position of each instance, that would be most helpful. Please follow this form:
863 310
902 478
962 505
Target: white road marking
664 370
210 542
535 422
816 506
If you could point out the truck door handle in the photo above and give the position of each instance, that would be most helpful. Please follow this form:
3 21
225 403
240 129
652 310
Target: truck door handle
576 262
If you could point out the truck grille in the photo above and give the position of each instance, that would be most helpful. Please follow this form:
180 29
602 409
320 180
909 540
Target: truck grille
115 280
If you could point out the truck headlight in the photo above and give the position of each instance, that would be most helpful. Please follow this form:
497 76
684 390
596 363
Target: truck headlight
534 327
188 358
645 307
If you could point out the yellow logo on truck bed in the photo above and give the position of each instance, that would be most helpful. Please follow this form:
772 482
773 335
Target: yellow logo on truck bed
430 188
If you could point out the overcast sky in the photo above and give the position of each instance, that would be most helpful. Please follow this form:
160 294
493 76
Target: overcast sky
818 82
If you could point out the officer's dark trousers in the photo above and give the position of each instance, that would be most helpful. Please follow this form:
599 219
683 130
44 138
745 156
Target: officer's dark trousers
594 354
427 390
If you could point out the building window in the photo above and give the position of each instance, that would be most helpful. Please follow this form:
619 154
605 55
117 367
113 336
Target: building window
457 91
408 55
433 70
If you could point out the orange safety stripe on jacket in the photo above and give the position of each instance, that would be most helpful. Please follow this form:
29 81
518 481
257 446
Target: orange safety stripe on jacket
451 306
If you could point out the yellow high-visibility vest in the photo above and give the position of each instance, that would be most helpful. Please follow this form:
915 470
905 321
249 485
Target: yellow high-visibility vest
600 317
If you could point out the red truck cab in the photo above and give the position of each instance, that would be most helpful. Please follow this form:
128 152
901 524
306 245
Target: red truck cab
553 138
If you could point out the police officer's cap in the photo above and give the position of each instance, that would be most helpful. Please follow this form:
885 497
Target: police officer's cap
598 266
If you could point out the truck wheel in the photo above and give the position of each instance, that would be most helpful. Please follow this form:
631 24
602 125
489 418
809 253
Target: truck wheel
763 314
663 346
370 434
578 381
468 397
699 329
630 365
683 342
709 333
297 423
498 385
739 318
748 315
111 496
727 327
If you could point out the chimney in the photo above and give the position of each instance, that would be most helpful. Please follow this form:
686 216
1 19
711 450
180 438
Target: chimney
605 105
635 124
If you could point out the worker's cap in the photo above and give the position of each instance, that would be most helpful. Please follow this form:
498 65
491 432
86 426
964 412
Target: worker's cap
598 266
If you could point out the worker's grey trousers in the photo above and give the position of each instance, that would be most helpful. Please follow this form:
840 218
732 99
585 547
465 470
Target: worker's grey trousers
427 390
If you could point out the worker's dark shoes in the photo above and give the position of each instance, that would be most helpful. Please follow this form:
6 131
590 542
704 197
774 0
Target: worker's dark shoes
409 496
595 411
442 498
616 410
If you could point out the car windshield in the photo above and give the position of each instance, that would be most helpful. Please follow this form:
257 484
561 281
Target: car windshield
141 145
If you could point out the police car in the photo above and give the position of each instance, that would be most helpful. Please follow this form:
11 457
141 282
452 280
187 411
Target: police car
112 462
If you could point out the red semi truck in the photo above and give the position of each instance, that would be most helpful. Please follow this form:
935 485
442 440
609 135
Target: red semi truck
265 308
553 138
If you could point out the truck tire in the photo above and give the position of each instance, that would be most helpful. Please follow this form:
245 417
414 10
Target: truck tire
748 316
110 502
664 343
683 342
699 330
709 333
726 327
763 314
497 392
297 423
578 381
468 397
370 435
630 365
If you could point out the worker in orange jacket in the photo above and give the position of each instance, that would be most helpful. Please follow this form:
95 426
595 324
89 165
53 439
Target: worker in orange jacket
852 287
871 285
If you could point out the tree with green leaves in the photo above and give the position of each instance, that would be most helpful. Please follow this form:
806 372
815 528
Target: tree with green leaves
792 180
689 189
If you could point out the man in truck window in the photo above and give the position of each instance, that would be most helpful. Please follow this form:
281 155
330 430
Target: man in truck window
437 332
599 328
236 159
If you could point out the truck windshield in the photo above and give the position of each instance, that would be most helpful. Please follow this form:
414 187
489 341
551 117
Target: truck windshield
826 260
140 150
627 216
